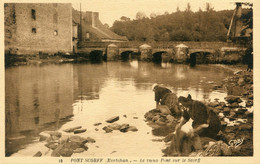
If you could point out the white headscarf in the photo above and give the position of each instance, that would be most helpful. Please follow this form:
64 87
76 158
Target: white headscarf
154 85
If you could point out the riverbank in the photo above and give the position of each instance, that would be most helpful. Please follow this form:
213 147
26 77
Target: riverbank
38 59
59 58
235 114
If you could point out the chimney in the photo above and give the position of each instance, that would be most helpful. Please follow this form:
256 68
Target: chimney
92 18
95 17
89 17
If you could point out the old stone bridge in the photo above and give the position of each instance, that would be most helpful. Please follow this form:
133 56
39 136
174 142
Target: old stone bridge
199 52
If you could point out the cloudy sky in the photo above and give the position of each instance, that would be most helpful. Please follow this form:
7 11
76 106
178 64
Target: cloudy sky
111 10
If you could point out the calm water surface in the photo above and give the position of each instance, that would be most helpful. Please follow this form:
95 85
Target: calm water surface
56 97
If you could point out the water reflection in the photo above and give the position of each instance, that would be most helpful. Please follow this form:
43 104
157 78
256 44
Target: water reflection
134 63
166 65
88 79
38 97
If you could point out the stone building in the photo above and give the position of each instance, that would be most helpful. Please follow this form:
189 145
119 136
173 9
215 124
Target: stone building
92 29
31 28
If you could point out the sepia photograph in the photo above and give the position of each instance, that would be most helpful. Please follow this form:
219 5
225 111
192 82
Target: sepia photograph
128 81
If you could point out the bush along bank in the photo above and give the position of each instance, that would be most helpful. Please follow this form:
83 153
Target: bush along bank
235 137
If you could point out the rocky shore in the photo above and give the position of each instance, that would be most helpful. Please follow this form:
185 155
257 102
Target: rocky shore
73 140
235 114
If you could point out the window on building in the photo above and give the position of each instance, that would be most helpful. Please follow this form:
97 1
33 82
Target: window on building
14 17
87 35
33 14
55 32
34 30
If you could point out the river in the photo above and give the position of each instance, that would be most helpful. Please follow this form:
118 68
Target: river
60 96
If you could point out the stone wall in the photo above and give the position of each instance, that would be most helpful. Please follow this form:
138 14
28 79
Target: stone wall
134 44
9 25
48 31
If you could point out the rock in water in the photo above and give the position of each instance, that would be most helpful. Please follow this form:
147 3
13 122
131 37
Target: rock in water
79 131
225 149
85 146
222 104
124 127
51 145
79 150
97 124
66 152
249 114
90 140
213 104
56 152
44 135
78 139
212 150
235 105
72 129
241 81
38 154
112 119
232 99
72 145
55 133
246 127
249 103
155 118
63 139
132 128
114 126
107 129
226 110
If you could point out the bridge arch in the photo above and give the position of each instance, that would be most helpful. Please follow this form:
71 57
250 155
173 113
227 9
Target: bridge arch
157 56
126 55
129 54
96 56
200 57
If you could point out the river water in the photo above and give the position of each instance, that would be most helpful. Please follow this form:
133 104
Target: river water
60 96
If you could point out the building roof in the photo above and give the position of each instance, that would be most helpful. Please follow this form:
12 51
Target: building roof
99 30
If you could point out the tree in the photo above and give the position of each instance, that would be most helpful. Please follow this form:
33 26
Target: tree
184 25
209 8
140 15
188 9
125 19
165 36
166 13
153 15
178 9
106 25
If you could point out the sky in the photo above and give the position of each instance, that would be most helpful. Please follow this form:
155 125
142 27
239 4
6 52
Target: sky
111 10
